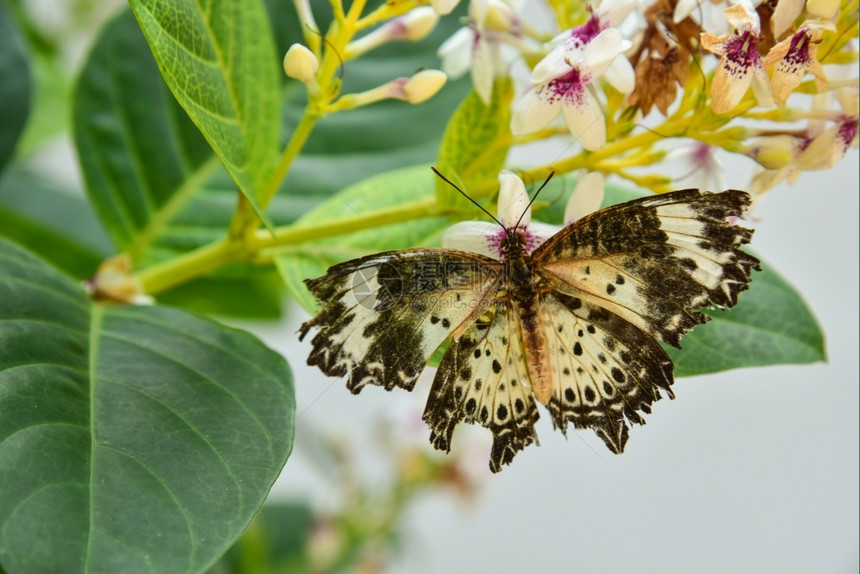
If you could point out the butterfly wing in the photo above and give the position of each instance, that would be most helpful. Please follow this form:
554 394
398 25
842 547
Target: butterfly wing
483 379
654 261
604 369
384 315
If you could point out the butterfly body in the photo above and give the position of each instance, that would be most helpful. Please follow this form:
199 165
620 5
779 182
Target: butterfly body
573 325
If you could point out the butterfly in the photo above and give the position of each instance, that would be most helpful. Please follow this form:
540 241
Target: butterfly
573 325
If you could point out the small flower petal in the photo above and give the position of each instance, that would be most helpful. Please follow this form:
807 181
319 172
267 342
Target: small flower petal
471 236
586 197
533 112
482 70
621 75
513 201
601 52
585 121
456 52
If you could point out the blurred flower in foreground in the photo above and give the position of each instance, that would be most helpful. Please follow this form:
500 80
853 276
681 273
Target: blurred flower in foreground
785 157
704 169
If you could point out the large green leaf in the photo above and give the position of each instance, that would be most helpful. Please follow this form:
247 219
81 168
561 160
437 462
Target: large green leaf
15 87
218 58
55 223
143 160
132 439
312 259
770 325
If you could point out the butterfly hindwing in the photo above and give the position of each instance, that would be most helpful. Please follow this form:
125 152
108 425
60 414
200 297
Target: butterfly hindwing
384 315
655 261
605 370
483 379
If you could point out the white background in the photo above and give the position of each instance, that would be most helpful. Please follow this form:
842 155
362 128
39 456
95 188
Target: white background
753 470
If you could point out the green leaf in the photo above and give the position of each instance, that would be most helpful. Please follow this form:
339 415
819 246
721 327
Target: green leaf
394 188
15 88
218 58
256 296
770 325
143 160
55 223
132 439
476 142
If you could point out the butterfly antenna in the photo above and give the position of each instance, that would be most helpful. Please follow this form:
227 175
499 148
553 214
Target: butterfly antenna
534 197
464 194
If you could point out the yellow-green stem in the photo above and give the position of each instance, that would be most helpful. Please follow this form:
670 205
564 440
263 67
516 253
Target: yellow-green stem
296 144
227 251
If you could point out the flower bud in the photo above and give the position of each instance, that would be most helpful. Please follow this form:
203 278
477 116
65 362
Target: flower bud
423 86
774 152
443 7
419 23
300 63
412 26
500 16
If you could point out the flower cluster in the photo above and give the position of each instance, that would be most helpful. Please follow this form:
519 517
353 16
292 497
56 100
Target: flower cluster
711 69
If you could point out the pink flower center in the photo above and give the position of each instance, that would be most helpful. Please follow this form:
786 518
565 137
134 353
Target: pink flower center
570 86
741 50
798 50
496 241
848 130
584 34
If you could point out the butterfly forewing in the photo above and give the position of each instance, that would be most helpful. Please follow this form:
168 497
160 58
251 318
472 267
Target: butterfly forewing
656 260
483 378
384 315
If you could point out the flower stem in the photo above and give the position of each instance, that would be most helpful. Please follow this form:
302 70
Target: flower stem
208 258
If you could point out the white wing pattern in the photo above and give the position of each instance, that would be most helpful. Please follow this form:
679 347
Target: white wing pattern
575 325
384 315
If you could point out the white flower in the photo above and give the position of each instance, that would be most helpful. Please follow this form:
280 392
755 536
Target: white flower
514 214
477 46
740 63
704 168
821 148
562 86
